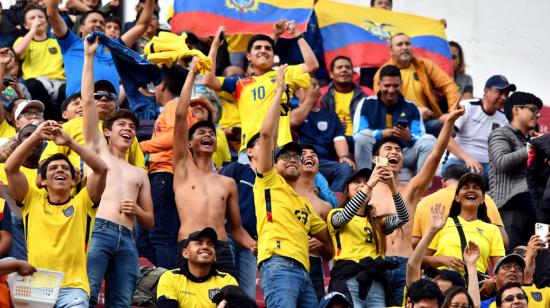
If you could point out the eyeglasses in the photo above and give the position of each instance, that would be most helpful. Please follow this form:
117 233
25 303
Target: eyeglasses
510 298
509 266
534 109
108 95
29 114
289 156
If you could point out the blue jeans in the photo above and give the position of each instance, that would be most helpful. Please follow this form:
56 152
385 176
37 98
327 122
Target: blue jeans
112 255
159 243
18 246
397 277
456 161
286 283
376 297
414 156
433 127
72 297
245 265
336 173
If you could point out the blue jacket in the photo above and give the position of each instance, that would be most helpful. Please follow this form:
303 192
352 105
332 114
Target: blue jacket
371 115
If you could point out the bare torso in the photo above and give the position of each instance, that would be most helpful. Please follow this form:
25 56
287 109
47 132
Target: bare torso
124 181
201 200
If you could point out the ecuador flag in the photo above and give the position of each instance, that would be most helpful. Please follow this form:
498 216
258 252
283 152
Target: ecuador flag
203 17
363 33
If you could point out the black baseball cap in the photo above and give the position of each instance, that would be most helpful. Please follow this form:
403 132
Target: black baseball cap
361 173
470 177
208 231
104 85
289 147
449 275
251 141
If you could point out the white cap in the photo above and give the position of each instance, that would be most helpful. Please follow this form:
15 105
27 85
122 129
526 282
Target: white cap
27 103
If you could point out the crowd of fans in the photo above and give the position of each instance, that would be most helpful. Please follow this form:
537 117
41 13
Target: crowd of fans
261 161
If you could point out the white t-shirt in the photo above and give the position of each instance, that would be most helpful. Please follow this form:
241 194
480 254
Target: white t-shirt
474 127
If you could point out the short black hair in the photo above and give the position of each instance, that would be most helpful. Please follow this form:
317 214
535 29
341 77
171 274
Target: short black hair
389 71
31 7
69 100
454 172
333 63
174 78
198 125
507 286
259 37
424 289
372 2
87 13
114 19
376 147
120 114
520 98
56 156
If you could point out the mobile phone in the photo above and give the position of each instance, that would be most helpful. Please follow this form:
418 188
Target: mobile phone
403 122
222 36
542 231
381 161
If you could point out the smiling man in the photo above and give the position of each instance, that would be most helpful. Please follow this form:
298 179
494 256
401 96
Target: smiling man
389 114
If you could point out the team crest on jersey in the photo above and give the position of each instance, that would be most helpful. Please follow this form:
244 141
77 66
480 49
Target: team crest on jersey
537 296
322 125
479 230
242 6
68 212
213 292
53 50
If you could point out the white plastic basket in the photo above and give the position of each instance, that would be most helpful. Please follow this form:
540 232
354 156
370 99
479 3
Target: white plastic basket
38 290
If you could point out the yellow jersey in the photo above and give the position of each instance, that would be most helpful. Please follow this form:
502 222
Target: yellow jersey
342 101
222 155
230 111
175 285
42 59
6 130
354 240
29 173
412 87
74 128
486 236
445 196
57 234
254 94
284 219
538 298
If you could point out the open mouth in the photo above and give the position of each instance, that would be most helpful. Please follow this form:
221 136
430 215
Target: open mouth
308 162
60 178
393 160
209 142
126 136
471 196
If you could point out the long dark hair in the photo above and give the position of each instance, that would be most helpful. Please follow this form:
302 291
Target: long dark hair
456 208
377 223
452 292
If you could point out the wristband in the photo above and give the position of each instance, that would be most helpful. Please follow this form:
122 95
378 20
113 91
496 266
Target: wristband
300 36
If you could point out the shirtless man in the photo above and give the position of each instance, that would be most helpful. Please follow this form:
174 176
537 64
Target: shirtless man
127 196
203 197
399 243
305 186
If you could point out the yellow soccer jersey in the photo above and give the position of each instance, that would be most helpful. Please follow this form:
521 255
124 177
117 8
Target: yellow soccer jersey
538 298
57 234
485 235
342 101
74 129
230 111
223 154
6 130
254 94
190 294
284 219
353 241
30 174
42 59
446 196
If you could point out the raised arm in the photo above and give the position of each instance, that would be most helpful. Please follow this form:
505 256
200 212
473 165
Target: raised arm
131 36
56 22
210 79
5 58
95 183
419 183
471 255
310 61
17 180
181 127
437 221
308 98
23 44
92 136
270 125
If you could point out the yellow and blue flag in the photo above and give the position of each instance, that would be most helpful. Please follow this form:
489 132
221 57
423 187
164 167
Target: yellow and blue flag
203 17
363 33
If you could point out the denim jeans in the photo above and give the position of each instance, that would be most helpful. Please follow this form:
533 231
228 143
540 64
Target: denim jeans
376 297
336 173
112 255
72 297
245 265
317 276
163 236
286 283
456 161
414 156
397 277
18 246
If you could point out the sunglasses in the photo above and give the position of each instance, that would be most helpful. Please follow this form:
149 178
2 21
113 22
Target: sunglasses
510 298
108 95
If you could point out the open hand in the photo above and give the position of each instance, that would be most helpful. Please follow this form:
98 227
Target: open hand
437 217
60 137
471 253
